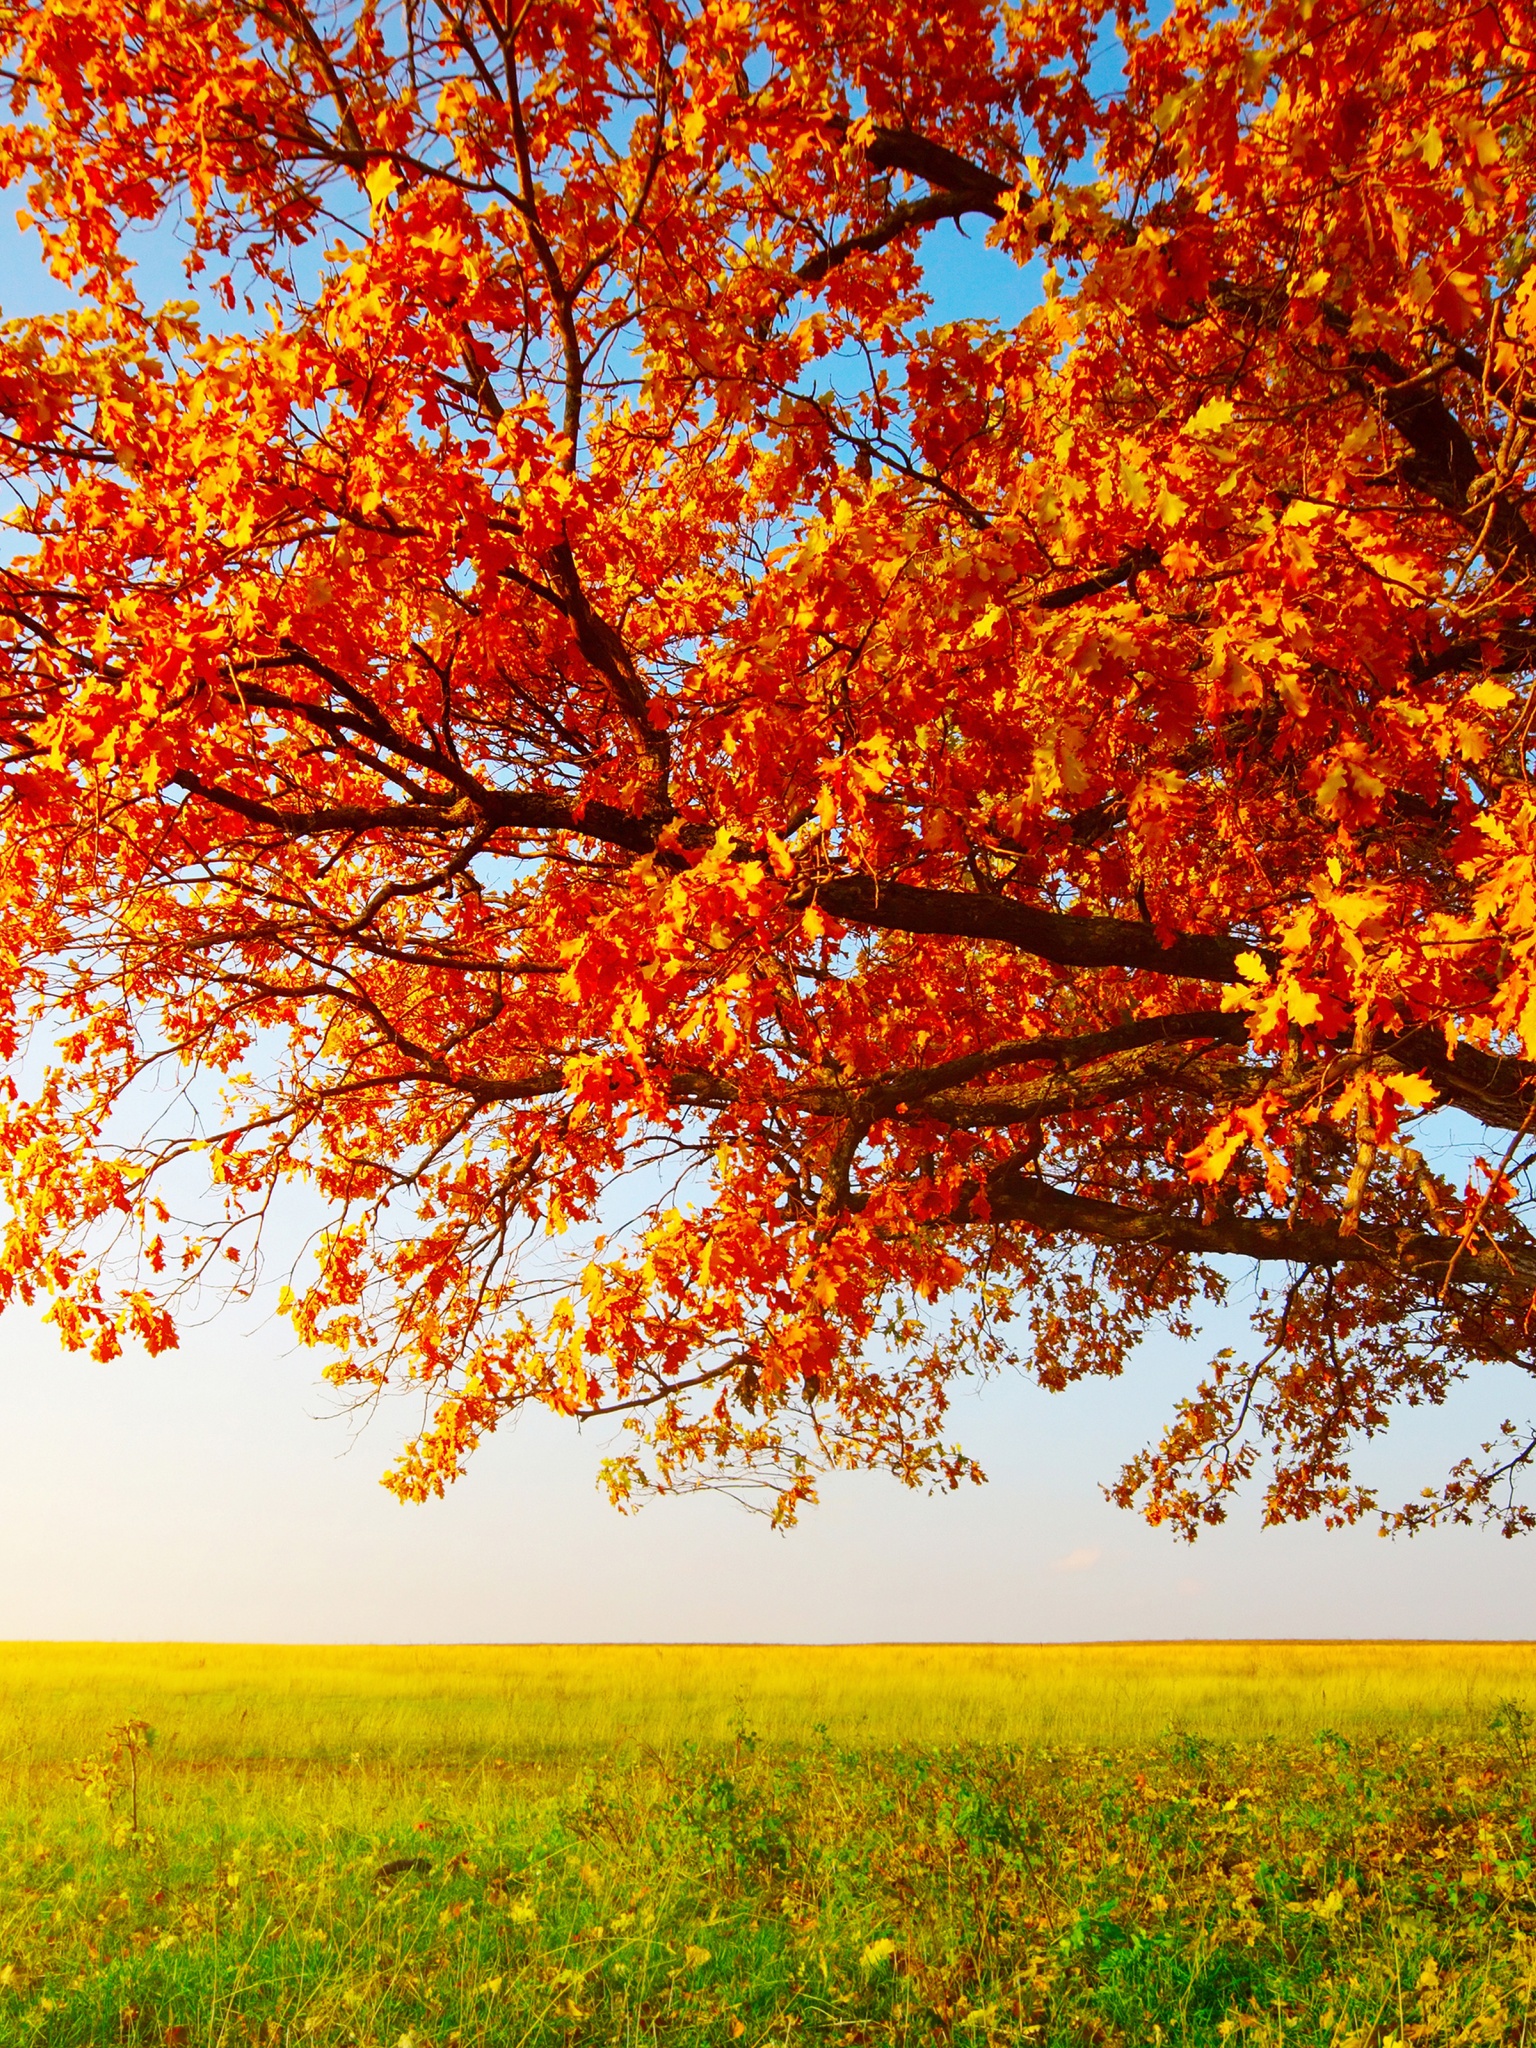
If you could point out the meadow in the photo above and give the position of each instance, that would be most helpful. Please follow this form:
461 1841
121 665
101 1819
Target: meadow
455 1848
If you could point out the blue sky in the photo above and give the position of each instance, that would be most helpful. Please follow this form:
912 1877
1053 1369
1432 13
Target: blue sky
213 1495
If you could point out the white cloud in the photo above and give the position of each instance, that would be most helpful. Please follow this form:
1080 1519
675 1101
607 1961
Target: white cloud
1077 1561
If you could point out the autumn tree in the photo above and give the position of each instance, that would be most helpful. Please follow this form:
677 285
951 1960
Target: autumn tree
557 702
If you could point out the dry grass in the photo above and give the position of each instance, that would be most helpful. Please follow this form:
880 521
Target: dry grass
258 1700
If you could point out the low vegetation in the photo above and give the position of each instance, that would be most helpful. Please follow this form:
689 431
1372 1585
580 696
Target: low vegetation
753 1848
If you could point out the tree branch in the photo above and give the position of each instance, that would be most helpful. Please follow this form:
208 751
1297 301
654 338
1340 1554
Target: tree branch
1016 1196
1084 1087
502 810
1496 1088
959 188
1064 937
1443 462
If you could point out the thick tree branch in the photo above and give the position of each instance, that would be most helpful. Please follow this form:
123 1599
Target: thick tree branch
1496 1088
900 149
502 810
959 188
1063 937
910 213
1443 462
1080 1088
1102 580
1181 1027
1013 1196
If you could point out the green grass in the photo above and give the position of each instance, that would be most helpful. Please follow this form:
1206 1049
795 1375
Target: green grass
663 1846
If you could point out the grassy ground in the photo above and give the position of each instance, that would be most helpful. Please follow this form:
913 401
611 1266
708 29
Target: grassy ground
508 1847
257 1700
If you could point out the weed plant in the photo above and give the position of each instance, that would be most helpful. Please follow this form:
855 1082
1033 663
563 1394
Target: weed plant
1364 1889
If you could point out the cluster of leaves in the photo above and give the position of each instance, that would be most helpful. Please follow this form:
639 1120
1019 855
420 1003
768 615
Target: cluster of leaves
555 693
1361 1891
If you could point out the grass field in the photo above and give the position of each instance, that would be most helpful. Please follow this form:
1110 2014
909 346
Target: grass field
1305 1843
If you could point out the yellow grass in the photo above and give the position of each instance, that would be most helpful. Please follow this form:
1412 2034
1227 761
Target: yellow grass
281 1701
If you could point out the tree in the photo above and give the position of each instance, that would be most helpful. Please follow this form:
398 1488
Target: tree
549 700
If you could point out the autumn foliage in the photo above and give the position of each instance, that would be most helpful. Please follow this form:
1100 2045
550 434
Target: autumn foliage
556 701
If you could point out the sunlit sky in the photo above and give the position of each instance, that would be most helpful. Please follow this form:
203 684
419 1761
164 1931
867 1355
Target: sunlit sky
215 1493
207 1496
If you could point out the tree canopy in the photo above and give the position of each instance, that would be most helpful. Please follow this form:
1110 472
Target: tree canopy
559 703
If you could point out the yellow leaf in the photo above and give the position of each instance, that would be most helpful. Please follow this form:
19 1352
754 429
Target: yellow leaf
1302 1005
1412 1089
1211 418
695 1957
1489 696
382 184
1210 1159
1361 910
878 1952
1484 143
1133 485
872 762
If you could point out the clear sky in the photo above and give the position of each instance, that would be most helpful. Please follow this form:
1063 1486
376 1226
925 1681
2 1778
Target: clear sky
207 1495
